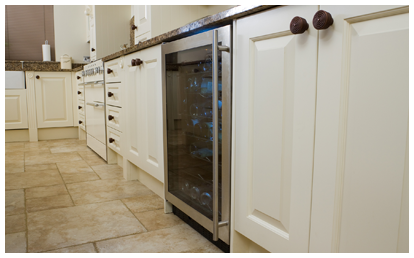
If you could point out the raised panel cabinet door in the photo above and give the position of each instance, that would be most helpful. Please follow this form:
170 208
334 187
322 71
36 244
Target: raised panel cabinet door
92 35
54 107
360 182
16 109
142 19
133 129
152 119
274 111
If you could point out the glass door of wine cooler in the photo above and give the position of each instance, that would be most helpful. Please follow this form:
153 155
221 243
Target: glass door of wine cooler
188 126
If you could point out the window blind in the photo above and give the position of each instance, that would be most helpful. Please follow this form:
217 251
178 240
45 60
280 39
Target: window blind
27 29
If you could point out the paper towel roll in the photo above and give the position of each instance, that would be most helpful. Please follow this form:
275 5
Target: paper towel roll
46 51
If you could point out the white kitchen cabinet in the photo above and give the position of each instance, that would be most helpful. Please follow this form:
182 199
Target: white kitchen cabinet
54 105
142 18
113 70
16 109
360 181
108 29
274 95
321 130
143 112
114 118
133 111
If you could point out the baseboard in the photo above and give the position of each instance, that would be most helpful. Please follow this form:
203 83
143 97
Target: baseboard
17 135
57 133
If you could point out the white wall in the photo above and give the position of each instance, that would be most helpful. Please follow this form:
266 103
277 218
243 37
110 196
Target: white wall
70 32
213 9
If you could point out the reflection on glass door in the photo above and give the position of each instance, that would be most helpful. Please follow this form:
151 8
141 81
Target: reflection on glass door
190 127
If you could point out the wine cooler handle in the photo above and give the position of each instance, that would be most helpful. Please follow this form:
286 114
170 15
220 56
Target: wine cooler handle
216 223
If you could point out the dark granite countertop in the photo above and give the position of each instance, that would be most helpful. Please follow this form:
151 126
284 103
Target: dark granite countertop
13 65
209 22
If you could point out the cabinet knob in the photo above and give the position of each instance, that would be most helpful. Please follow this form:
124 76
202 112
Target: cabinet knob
79 107
37 77
79 92
92 49
138 61
322 20
111 140
133 62
78 77
133 27
109 71
80 122
298 25
110 117
110 94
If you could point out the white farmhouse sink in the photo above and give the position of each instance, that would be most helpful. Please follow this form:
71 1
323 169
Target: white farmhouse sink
15 80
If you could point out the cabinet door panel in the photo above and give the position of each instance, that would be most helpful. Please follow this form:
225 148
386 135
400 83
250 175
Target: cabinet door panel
92 35
152 113
274 94
53 99
16 109
359 202
143 22
133 111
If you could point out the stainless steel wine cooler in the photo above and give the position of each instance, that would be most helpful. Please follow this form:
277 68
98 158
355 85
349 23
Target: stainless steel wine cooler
197 128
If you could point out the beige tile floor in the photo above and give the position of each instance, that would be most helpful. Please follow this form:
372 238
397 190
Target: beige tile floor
63 198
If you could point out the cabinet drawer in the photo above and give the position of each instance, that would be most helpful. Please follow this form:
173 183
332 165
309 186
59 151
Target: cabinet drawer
114 140
81 107
114 117
112 71
114 94
81 92
82 122
78 77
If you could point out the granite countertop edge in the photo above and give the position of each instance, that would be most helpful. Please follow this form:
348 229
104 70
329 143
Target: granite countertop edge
44 66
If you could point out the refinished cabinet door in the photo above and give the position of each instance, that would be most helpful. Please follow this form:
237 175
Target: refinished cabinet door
274 117
143 134
54 107
142 20
152 119
360 184
16 109
133 111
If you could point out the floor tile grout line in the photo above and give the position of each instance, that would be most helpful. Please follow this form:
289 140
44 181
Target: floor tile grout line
96 247
89 165
31 187
134 215
64 183
92 242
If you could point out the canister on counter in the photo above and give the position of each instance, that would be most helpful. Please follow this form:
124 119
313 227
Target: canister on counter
65 62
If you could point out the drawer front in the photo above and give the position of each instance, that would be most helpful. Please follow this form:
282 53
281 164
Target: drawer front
82 122
81 92
78 77
113 71
81 107
114 117
114 140
114 94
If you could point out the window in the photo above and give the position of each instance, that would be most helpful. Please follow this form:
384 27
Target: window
27 29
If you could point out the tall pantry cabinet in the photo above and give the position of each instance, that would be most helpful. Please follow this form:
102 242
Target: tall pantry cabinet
320 144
